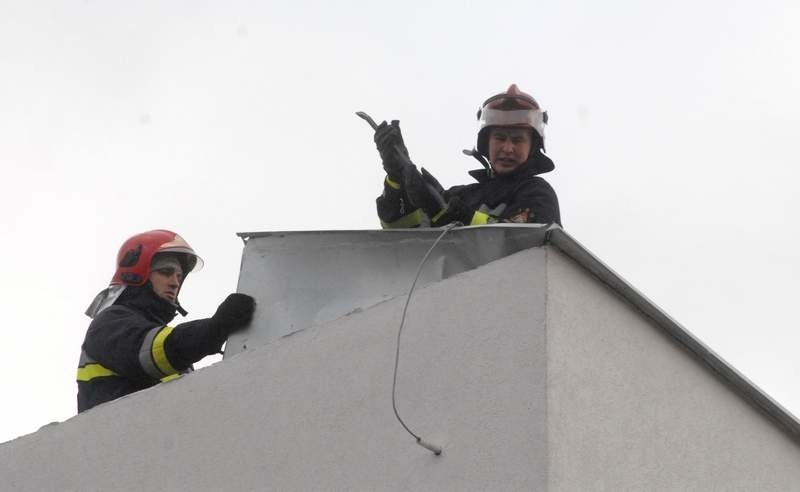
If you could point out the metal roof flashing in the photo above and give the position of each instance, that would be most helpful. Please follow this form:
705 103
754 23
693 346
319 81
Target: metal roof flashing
311 277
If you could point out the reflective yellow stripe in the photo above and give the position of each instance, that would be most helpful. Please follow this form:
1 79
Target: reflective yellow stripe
439 215
91 371
159 355
479 218
170 377
411 220
392 184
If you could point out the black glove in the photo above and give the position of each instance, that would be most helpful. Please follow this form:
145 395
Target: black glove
420 194
389 142
234 313
455 211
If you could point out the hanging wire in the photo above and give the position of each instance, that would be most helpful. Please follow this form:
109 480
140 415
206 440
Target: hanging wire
432 447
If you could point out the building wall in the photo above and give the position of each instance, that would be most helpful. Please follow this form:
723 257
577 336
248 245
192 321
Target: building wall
312 411
530 373
629 409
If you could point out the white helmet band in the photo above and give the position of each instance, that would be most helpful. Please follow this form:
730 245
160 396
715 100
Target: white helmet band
534 118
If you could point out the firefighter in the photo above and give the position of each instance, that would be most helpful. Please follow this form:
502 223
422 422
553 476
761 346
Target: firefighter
129 345
511 148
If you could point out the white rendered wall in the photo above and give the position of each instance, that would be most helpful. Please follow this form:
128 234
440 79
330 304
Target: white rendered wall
530 373
312 411
629 409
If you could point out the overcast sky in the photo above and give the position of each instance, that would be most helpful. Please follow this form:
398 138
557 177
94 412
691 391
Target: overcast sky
672 125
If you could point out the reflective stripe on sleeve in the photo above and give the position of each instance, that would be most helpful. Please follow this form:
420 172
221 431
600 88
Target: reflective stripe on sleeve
413 219
152 355
159 355
91 371
439 215
392 184
479 218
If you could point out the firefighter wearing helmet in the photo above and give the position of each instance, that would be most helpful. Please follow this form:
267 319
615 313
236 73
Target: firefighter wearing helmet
511 149
129 345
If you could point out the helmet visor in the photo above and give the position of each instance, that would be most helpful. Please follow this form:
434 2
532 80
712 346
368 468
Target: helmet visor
179 245
516 117
193 262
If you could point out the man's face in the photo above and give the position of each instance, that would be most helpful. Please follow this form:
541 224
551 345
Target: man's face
166 282
508 148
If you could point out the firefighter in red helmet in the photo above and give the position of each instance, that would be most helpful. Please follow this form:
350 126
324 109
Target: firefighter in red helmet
129 345
511 149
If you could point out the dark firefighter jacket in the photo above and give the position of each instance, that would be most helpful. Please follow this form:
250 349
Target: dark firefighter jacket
129 347
519 196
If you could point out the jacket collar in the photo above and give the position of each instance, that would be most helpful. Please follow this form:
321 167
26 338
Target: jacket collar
143 299
537 163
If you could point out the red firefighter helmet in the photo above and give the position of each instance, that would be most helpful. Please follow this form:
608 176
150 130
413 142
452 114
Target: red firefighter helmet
136 255
510 108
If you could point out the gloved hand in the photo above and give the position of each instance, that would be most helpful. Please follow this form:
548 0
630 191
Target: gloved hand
235 312
389 142
420 194
455 211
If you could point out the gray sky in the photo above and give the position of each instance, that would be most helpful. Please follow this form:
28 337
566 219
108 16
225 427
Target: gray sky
671 126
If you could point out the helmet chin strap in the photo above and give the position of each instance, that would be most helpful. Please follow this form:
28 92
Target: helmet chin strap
477 155
179 308
177 304
174 303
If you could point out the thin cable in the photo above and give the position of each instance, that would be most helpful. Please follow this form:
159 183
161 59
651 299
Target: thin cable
400 331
